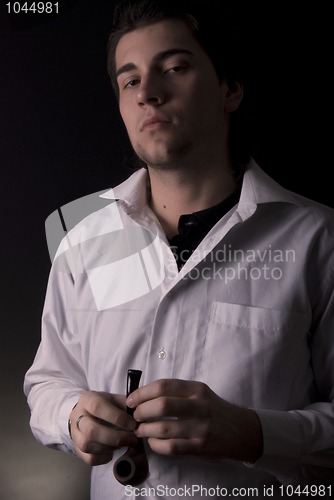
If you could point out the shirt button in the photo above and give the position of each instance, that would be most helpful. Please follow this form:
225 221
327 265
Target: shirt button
170 295
162 353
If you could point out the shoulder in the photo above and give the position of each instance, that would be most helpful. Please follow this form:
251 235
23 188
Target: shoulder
260 189
78 221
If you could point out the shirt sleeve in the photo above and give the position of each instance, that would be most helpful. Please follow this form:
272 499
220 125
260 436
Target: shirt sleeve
57 378
299 444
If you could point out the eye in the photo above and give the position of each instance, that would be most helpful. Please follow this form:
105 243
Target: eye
131 83
176 69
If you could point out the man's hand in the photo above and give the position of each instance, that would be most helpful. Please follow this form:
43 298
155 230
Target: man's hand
201 422
103 428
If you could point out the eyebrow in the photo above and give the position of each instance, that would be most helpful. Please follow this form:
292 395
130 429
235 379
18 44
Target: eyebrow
161 56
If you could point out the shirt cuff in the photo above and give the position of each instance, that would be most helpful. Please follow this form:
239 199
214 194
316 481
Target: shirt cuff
64 414
282 442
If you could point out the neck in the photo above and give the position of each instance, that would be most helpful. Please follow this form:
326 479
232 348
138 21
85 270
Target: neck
176 192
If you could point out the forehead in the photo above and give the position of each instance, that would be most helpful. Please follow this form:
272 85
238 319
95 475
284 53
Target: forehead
142 44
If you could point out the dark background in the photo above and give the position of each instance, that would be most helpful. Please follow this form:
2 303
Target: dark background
62 138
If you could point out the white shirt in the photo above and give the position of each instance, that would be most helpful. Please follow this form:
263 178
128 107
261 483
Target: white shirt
250 314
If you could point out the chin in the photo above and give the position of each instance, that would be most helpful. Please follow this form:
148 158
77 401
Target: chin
164 157
155 159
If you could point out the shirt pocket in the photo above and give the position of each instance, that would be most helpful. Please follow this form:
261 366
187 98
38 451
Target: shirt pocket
251 353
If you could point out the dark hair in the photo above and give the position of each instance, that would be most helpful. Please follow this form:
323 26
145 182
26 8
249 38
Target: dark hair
213 24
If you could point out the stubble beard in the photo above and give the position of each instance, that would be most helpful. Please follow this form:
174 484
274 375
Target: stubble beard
168 158
185 153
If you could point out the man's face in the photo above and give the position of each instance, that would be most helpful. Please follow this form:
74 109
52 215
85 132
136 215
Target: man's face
171 101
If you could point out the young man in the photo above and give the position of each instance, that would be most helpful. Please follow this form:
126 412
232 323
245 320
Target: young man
232 330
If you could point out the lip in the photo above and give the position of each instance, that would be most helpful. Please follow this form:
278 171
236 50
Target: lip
154 122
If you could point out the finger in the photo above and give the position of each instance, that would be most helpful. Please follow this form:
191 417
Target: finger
175 446
92 459
170 407
101 405
90 447
163 387
98 459
93 437
169 429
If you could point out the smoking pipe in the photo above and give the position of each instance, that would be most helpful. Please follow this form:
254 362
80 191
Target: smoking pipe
132 467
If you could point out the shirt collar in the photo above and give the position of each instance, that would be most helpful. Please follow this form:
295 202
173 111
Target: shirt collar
133 192
257 188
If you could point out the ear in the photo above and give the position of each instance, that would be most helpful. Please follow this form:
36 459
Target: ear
233 97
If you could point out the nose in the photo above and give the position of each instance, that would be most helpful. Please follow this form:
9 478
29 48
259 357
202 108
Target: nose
151 91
